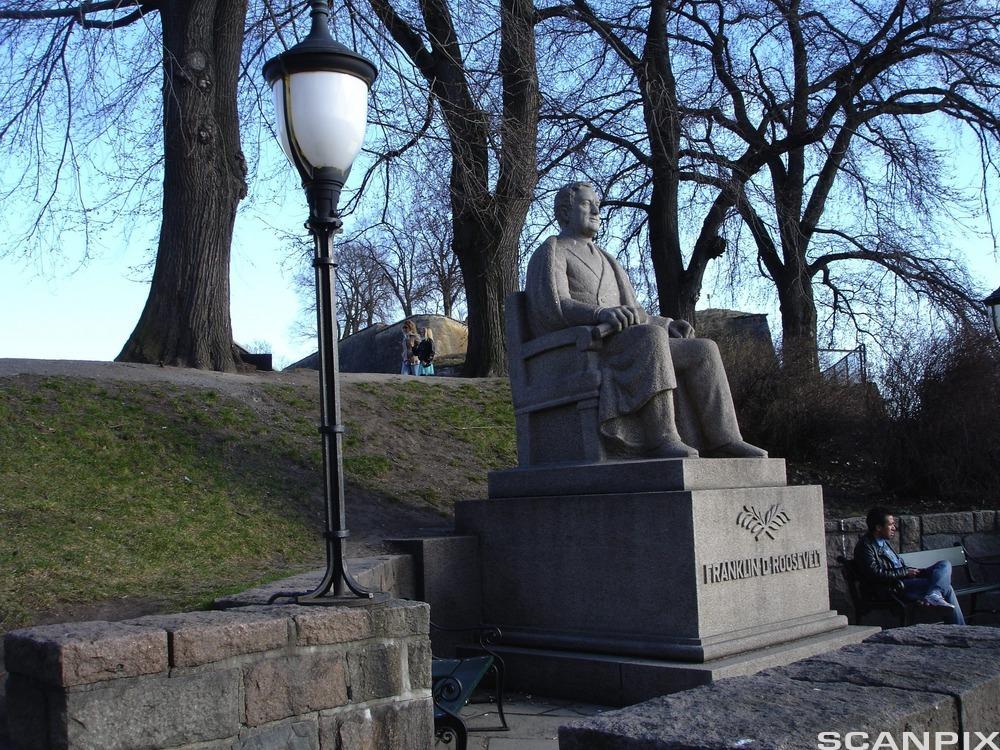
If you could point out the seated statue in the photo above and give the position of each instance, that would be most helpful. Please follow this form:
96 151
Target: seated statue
571 282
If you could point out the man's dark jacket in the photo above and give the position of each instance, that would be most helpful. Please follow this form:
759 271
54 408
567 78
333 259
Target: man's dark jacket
878 573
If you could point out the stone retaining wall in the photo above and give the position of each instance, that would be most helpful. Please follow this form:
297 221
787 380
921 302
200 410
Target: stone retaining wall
979 530
282 677
923 679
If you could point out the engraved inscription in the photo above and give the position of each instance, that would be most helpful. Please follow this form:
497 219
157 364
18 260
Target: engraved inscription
757 524
754 567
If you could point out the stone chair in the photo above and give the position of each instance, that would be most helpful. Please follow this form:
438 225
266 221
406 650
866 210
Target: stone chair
554 383
555 380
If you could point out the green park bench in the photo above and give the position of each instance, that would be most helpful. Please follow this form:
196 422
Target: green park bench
454 681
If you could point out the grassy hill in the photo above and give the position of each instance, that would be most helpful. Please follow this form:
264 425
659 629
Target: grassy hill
153 495
127 489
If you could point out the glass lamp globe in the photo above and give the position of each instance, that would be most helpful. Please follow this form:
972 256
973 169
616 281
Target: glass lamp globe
320 91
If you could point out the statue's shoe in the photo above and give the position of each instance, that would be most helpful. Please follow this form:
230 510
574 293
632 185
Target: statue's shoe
735 449
672 449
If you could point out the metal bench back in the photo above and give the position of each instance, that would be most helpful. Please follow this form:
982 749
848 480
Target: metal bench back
458 678
925 558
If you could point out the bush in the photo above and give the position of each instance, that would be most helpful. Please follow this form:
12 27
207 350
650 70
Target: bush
940 436
796 416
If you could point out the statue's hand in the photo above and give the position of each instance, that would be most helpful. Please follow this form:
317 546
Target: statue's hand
622 316
680 329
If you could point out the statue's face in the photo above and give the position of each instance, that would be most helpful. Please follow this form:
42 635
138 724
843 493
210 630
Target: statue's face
584 217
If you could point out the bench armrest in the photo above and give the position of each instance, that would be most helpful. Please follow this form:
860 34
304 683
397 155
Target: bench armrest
488 636
988 560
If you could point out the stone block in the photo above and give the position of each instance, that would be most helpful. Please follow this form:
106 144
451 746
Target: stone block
853 525
405 726
706 578
938 541
448 579
418 617
300 733
962 673
399 619
947 523
909 533
27 719
390 726
351 730
393 574
375 671
759 712
949 636
204 637
447 574
148 712
985 520
316 626
371 572
838 545
78 653
645 475
418 657
290 685
608 680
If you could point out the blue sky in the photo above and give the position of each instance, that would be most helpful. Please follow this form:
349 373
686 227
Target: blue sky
55 306
51 311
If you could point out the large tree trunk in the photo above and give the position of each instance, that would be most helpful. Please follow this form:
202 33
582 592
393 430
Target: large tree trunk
487 225
798 322
659 106
186 318
489 277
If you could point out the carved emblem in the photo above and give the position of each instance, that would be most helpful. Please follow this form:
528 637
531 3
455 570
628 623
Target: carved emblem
757 524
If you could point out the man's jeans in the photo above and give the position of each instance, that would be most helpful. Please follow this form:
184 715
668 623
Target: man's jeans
935 578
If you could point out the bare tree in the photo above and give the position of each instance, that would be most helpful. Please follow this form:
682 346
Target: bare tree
411 241
486 221
439 264
859 193
63 53
394 253
363 294
761 108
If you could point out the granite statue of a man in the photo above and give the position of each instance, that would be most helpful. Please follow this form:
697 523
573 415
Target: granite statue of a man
572 282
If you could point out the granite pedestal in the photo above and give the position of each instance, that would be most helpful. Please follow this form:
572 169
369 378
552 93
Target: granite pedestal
676 563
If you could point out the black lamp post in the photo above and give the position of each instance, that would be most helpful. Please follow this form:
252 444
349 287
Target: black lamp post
993 302
320 90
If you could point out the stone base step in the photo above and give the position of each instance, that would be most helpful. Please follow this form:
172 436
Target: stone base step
623 681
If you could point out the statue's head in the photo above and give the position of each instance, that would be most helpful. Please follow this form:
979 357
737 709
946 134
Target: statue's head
578 209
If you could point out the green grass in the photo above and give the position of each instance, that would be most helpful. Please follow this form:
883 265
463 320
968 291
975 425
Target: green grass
136 491
179 495
479 416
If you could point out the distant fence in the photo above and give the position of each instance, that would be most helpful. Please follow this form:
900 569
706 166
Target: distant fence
846 365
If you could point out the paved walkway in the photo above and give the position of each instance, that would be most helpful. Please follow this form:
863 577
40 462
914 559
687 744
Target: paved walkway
534 722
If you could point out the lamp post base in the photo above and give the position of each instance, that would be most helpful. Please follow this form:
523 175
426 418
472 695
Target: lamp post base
345 600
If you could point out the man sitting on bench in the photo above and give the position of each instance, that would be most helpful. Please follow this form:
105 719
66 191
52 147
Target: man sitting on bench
881 568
